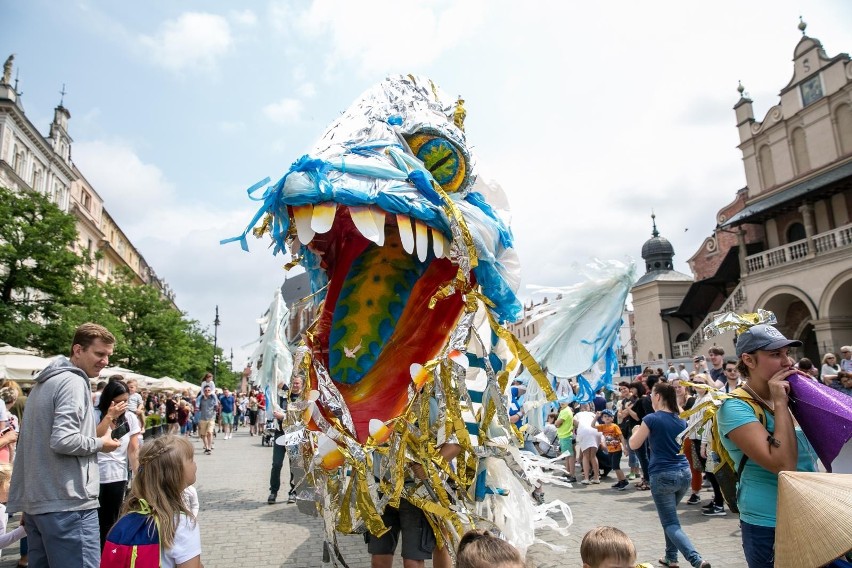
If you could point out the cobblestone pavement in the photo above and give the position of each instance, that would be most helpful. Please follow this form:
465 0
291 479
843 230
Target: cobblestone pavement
238 528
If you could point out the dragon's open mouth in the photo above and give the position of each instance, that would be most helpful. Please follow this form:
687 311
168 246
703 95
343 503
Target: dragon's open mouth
375 321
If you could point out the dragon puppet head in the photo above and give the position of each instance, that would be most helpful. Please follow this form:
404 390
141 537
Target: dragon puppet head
400 237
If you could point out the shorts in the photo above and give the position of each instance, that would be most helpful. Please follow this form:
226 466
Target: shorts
418 540
227 418
252 414
615 460
567 445
206 427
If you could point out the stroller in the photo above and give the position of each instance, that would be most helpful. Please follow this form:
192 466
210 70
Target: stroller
268 436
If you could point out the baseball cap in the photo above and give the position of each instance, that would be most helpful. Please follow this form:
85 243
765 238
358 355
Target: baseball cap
608 412
763 337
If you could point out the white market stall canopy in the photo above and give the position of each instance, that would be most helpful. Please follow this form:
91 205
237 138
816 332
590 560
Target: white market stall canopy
21 366
168 384
143 380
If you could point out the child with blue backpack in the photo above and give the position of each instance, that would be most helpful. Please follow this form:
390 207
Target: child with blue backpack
157 527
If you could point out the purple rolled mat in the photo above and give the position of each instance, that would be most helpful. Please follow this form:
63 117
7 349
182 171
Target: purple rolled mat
824 414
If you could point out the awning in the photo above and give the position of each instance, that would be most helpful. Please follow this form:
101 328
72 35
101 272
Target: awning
701 296
826 184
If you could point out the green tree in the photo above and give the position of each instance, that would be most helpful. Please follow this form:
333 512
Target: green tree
38 269
156 340
89 302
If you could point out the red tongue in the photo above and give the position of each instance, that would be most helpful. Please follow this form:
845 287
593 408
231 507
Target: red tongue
418 337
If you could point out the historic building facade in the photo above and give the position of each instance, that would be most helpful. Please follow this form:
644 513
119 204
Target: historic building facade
785 241
28 160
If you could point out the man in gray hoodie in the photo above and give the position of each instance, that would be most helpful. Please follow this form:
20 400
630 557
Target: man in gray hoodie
56 481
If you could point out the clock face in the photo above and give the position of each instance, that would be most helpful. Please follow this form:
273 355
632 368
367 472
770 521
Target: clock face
811 90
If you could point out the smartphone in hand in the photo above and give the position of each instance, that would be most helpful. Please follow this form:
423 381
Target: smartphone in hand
120 431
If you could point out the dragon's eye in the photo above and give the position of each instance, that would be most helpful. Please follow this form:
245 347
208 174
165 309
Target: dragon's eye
447 162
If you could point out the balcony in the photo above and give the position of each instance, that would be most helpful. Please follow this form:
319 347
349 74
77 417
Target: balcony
796 252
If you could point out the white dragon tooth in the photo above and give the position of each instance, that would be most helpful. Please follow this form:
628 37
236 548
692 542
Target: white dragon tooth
379 219
439 243
421 232
406 233
302 215
363 219
323 217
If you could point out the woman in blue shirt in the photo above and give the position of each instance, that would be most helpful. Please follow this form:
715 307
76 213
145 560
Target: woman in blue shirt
668 470
771 448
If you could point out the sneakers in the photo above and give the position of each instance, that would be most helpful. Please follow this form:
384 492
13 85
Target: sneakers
716 511
570 479
207 451
621 485
291 497
586 482
272 497
631 476
710 504
694 499
596 481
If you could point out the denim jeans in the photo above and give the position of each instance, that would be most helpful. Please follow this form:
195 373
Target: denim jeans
758 545
667 489
632 458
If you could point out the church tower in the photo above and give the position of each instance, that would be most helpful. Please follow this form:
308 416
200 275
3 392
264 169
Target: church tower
655 294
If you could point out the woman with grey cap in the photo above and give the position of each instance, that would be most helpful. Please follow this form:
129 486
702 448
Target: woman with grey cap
765 442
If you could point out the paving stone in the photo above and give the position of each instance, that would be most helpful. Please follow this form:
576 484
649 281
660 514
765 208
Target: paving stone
238 528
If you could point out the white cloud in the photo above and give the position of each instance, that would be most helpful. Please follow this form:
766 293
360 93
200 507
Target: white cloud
128 185
385 35
244 17
180 240
280 15
285 111
307 90
193 40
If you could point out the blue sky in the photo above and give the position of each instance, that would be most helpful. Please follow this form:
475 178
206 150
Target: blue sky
588 114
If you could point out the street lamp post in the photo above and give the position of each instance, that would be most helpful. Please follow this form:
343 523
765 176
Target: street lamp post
216 323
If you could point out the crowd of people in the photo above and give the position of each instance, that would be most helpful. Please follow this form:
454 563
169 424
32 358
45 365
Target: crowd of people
643 420
115 472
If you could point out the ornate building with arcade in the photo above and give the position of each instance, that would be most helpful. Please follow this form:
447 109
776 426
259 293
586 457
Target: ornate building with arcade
784 242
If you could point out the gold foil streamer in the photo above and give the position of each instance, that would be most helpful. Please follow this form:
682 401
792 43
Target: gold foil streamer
259 231
521 353
737 322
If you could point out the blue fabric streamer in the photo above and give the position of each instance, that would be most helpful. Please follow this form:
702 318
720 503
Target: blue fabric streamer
508 307
586 393
424 184
477 199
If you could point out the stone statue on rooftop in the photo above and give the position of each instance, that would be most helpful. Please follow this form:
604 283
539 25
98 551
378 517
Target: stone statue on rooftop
7 70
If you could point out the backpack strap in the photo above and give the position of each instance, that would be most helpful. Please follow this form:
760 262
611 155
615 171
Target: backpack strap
743 395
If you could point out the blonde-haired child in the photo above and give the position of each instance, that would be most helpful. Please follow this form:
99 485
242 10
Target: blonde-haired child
607 547
166 469
7 538
481 549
